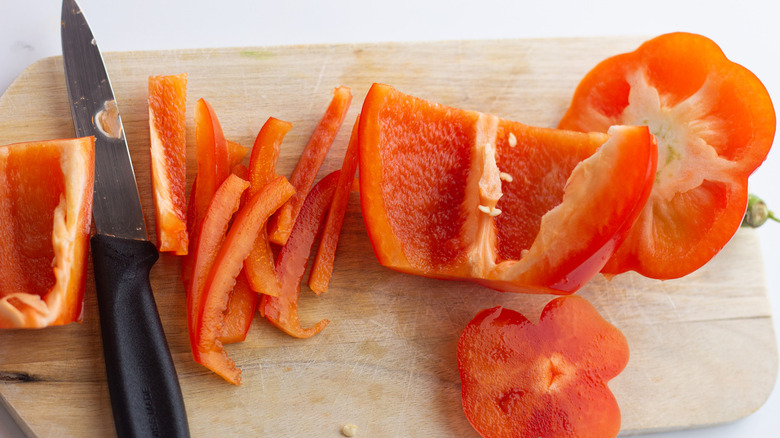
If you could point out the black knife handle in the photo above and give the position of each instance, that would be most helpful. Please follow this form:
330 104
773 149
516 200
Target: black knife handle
145 394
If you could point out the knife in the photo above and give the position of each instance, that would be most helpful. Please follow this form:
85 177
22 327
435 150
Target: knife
146 398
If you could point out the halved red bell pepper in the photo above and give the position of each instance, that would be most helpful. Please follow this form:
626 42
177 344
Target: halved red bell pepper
322 269
167 131
311 159
545 380
714 122
282 311
45 217
259 265
227 265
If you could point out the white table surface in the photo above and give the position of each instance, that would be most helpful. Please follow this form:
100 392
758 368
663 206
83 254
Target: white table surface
747 31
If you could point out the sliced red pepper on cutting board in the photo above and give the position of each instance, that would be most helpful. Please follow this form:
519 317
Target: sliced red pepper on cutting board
305 172
45 218
457 194
548 379
259 265
167 132
227 265
282 311
714 122
204 253
322 268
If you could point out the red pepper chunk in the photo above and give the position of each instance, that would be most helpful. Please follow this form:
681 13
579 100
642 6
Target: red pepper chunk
305 171
259 265
282 311
545 380
222 277
322 269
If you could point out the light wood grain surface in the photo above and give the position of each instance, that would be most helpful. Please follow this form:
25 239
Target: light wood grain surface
703 349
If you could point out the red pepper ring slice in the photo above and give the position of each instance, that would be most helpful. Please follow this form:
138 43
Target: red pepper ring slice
550 379
282 311
222 278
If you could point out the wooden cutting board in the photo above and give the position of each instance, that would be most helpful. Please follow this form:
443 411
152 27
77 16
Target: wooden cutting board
703 349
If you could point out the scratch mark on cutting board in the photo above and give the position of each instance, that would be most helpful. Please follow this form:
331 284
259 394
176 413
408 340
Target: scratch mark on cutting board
319 81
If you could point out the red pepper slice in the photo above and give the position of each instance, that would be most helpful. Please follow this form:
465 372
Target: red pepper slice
714 122
282 311
241 309
305 171
45 217
545 380
214 226
167 110
259 265
222 277
322 269
213 163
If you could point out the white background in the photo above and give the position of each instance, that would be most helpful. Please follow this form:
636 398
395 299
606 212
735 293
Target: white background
747 31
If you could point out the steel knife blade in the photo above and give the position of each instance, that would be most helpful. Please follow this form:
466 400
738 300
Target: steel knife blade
146 398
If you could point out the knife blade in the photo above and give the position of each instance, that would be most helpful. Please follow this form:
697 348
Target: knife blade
146 398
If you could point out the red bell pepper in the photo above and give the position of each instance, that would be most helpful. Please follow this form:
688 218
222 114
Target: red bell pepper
224 204
45 218
213 164
259 265
322 269
714 122
282 311
545 380
457 194
227 265
167 110
241 309
311 159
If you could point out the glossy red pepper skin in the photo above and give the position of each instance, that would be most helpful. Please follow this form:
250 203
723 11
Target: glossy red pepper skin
549 379
227 265
224 204
322 269
305 171
259 265
282 311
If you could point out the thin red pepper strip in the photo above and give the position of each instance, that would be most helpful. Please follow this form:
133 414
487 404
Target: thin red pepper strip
259 265
215 224
305 171
282 311
322 269
241 309
213 164
227 265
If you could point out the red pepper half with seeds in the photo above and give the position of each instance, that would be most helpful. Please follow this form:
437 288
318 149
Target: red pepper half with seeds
714 123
